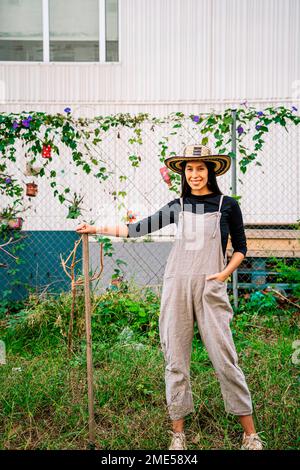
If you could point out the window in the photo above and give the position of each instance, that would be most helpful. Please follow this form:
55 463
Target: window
21 30
59 31
74 30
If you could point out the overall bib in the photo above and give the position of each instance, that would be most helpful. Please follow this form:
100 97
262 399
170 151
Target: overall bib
188 296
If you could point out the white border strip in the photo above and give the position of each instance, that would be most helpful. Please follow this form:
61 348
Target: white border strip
46 45
102 31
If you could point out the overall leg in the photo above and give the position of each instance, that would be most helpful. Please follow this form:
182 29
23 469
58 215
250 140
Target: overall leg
214 314
176 328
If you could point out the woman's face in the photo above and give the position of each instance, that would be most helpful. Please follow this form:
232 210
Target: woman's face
196 174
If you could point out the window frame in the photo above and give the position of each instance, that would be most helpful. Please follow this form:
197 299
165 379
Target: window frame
102 40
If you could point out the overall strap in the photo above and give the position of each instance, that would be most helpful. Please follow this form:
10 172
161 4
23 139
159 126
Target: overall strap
181 214
220 204
218 215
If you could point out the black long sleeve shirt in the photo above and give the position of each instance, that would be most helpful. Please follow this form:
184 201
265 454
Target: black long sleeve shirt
231 219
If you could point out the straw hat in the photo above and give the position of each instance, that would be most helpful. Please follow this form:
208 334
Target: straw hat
199 152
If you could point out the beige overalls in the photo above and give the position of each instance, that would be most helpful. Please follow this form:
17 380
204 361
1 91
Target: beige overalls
188 296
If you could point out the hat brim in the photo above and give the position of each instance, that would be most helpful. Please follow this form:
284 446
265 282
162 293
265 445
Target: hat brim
222 162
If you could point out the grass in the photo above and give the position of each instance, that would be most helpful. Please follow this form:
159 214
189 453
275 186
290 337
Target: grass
44 395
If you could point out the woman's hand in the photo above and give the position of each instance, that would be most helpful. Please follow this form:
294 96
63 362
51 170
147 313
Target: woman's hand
86 228
219 276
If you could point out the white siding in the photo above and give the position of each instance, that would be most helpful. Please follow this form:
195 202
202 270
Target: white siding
174 51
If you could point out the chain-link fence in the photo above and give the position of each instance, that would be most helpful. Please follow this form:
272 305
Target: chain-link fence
269 202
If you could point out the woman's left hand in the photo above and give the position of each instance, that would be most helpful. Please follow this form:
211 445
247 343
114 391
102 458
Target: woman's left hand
219 276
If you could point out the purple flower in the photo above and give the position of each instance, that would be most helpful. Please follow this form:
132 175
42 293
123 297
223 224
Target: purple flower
260 113
294 108
26 123
15 125
257 127
29 118
240 130
67 110
7 180
196 118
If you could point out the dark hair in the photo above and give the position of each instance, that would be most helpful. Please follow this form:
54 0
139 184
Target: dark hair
211 180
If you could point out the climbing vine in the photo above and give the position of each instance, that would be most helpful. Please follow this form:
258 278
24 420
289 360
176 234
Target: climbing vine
47 135
40 133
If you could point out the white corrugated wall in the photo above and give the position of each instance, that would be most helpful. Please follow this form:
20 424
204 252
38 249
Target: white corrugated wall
174 52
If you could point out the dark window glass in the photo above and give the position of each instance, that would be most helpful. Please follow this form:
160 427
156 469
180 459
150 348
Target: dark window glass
112 31
21 30
74 30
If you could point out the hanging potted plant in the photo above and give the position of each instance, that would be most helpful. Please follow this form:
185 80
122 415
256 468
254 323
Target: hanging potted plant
74 208
31 189
130 216
116 283
116 279
165 175
46 151
8 217
31 170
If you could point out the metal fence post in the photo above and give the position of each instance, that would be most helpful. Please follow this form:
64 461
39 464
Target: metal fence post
234 192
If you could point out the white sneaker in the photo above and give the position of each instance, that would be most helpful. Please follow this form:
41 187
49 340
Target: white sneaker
178 441
252 442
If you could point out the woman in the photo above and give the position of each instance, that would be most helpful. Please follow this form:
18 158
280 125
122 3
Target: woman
195 289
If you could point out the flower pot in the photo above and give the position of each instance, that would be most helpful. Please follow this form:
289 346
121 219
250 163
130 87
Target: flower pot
165 175
15 223
117 281
130 216
31 189
32 170
46 152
